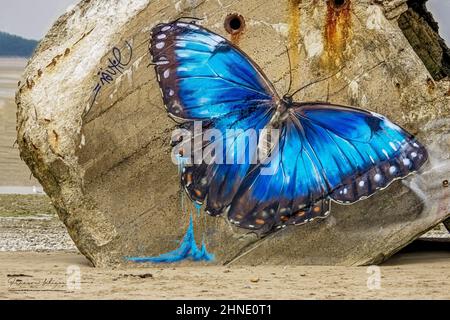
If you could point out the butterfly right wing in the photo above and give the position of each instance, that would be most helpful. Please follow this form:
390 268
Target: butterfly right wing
325 152
360 151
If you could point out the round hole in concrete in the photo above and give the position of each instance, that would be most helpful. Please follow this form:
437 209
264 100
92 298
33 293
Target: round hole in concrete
234 23
338 3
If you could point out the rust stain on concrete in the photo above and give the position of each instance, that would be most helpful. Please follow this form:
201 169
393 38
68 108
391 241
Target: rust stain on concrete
294 35
236 38
431 85
30 83
338 28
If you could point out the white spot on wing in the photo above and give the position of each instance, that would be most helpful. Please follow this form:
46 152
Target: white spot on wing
392 169
166 74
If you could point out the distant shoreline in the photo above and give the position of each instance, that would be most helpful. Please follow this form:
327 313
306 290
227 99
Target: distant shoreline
14 57
12 45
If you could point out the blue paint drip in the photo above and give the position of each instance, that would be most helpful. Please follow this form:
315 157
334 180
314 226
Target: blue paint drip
187 250
181 163
198 207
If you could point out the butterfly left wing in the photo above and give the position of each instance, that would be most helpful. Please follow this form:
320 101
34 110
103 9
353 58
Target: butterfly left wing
326 152
205 77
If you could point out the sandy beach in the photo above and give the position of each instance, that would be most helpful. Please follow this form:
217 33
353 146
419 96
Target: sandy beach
68 275
13 172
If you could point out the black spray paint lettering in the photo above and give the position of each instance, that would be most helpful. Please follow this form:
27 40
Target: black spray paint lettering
115 67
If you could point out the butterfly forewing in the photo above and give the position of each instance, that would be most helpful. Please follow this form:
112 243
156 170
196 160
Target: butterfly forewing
203 76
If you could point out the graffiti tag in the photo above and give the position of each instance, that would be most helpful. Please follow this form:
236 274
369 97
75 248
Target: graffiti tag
117 64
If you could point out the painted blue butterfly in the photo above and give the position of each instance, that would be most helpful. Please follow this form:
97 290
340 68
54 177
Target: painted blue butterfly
326 152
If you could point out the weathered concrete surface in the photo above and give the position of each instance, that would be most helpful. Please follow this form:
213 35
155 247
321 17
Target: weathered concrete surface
104 158
421 30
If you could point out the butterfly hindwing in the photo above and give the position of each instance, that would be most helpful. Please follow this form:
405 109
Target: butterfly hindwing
219 178
293 193
326 152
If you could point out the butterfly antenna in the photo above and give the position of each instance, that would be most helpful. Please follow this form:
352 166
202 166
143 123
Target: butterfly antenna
188 18
328 92
290 70
317 81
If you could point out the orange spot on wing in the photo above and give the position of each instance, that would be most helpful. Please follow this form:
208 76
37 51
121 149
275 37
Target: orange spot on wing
300 213
260 221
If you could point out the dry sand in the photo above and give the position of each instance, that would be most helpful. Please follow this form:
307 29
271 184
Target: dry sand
13 171
43 276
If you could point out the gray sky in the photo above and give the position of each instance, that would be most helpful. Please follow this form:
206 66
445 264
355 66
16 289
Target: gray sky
33 18
441 12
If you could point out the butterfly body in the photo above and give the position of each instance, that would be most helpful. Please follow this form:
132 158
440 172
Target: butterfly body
324 153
